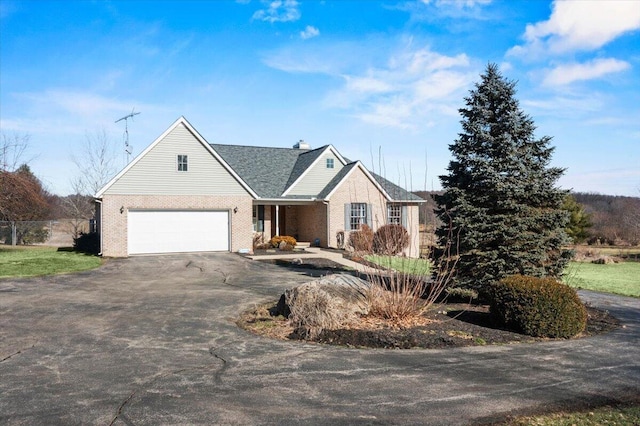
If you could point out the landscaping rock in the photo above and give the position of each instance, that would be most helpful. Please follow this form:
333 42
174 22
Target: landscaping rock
352 291
327 303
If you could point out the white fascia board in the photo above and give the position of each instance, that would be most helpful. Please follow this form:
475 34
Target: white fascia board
312 165
337 154
360 166
284 201
198 136
293 185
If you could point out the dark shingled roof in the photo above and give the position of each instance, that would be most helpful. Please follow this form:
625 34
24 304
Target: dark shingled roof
396 192
336 180
270 171
265 170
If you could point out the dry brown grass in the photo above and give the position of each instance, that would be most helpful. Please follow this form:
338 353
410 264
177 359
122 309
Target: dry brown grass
396 297
314 309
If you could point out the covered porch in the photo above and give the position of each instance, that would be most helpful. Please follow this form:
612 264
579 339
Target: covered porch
304 220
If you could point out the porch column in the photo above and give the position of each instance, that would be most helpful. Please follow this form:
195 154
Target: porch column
277 219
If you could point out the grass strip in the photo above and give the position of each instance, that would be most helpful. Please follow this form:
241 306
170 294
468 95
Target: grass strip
619 278
402 264
37 261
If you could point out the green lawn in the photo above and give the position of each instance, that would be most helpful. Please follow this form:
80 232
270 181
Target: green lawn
35 261
402 264
620 278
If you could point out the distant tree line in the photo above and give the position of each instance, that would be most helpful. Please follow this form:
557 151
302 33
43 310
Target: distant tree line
595 218
615 220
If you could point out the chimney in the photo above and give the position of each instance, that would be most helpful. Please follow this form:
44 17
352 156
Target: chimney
301 144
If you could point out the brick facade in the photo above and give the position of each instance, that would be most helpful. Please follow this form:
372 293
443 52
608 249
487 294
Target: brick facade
359 189
113 223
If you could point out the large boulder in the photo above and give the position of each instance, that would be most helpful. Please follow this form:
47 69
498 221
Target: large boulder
330 302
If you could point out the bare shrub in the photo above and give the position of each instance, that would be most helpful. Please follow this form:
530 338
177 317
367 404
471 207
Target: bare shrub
390 240
396 296
401 297
361 240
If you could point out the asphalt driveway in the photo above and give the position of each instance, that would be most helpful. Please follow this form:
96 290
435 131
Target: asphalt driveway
152 340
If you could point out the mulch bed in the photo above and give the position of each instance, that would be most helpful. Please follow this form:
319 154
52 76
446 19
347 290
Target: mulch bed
447 324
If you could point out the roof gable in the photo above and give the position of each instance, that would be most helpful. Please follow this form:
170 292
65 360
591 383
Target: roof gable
310 175
179 122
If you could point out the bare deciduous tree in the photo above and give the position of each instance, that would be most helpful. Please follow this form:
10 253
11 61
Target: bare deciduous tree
12 150
96 162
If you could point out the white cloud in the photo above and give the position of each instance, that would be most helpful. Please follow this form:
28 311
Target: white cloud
460 4
414 84
381 82
580 25
568 73
309 32
279 11
56 111
566 106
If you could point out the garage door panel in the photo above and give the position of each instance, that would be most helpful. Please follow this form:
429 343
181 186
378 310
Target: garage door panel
177 231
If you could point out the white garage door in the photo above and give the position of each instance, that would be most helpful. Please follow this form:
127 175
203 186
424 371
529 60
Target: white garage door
177 231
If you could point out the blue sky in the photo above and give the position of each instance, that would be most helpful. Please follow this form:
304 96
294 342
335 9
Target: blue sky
380 80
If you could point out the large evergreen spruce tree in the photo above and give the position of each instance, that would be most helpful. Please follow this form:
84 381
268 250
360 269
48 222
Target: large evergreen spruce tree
501 204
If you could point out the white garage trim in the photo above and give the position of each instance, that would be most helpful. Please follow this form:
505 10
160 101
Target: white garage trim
177 231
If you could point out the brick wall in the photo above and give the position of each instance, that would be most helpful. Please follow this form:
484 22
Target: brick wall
312 223
114 224
359 189
356 189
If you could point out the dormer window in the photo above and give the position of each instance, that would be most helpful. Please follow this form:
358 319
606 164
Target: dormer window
329 163
183 163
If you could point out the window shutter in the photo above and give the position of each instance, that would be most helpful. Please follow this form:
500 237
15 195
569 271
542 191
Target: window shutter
369 218
405 219
347 217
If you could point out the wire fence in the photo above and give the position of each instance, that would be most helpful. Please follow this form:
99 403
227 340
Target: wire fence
57 233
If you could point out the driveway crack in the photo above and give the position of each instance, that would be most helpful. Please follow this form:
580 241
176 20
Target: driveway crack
150 382
221 371
15 353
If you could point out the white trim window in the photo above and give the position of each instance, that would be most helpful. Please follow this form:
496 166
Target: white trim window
183 163
358 216
329 163
394 214
258 218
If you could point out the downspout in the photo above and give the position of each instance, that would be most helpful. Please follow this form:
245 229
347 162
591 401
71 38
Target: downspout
98 201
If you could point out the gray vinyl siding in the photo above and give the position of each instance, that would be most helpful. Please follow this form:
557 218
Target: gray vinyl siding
318 176
157 172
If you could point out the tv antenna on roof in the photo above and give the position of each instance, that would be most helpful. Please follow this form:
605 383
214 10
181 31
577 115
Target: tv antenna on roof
127 148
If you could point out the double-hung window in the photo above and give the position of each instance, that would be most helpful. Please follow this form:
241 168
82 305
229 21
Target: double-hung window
258 218
183 164
329 163
394 214
358 215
